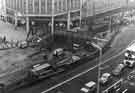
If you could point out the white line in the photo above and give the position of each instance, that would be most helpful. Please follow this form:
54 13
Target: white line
125 91
86 71
118 90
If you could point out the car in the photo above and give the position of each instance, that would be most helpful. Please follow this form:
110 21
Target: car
106 77
129 60
89 87
131 76
117 71
58 52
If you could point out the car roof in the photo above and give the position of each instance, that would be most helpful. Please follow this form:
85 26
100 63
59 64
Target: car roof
90 84
85 90
106 74
74 57
121 65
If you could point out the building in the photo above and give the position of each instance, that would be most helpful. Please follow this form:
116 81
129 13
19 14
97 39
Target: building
50 12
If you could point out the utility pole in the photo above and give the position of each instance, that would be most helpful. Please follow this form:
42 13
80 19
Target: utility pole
99 70
99 64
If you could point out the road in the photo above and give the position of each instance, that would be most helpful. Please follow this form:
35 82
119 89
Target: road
72 81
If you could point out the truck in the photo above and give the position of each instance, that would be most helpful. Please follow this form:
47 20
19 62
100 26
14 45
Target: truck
43 70
129 56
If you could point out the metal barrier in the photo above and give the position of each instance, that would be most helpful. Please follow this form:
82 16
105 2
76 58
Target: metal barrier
114 88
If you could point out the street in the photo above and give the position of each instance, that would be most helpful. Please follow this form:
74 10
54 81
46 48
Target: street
69 83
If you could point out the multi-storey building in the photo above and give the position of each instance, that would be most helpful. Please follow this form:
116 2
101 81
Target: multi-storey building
51 11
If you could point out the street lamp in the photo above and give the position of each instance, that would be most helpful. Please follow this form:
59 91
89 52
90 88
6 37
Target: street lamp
99 72
99 64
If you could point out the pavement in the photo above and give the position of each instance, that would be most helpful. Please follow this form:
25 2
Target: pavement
13 59
11 56
8 30
72 81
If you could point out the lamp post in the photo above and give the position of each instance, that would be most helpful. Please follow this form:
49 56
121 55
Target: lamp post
99 70
99 64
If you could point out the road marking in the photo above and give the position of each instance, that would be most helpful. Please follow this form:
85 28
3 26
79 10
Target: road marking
118 90
104 67
86 71
125 91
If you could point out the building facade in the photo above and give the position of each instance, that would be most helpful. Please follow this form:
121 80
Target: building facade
59 10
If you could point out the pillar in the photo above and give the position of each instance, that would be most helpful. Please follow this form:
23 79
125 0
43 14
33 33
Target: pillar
68 21
27 24
80 12
16 20
52 19
68 14
110 24
52 25
27 18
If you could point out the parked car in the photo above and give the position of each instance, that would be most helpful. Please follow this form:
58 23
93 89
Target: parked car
105 78
117 71
89 87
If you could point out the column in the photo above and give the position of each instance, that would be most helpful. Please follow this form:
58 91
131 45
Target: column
33 5
52 19
16 19
27 18
40 7
69 17
27 24
80 12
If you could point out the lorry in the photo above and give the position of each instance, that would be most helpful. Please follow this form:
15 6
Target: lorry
43 70
129 55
